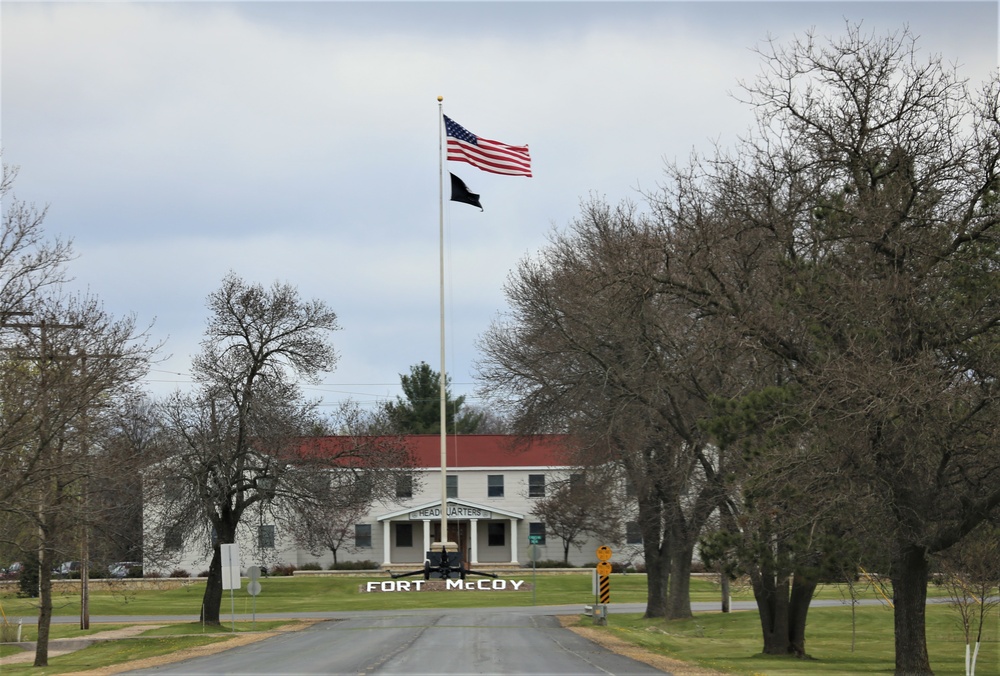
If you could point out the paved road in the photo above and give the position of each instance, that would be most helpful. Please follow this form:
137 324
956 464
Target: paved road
573 609
513 640
467 641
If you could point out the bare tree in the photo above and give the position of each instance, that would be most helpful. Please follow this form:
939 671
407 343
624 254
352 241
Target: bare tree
591 346
971 574
30 261
853 238
571 509
320 526
237 443
70 363
365 463
30 265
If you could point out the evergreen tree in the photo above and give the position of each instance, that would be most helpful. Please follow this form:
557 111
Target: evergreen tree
420 411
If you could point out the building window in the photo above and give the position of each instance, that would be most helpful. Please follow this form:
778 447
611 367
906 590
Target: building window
452 485
494 485
630 491
404 486
363 535
536 485
173 539
536 533
404 534
496 534
173 490
575 482
265 536
362 485
633 536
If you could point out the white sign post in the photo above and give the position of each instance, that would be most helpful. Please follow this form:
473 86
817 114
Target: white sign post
230 555
253 588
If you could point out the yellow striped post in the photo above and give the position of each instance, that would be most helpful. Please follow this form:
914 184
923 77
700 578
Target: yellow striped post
604 588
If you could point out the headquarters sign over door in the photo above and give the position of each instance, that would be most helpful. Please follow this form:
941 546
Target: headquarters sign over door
454 511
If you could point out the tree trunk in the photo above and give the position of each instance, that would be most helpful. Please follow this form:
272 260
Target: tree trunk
798 607
225 530
679 591
45 564
657 577
724 584
656 552
211 602
909 592
772 605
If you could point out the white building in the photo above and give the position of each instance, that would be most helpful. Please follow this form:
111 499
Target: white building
492 486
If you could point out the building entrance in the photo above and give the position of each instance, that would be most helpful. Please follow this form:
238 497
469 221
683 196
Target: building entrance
458 532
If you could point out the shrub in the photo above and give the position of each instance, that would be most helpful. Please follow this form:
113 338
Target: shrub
281 569
203 573
310 566
620 566
8 631
550 563
151 574
179 572
355 565
27 583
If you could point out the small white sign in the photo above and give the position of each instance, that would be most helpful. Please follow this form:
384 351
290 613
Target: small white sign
230 555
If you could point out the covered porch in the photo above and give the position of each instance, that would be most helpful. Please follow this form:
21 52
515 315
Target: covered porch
484 534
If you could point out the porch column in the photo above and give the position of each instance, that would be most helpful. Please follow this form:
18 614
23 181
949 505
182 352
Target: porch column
386 541
427 536
475 542
513 541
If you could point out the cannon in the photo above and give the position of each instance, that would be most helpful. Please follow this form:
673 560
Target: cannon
439 565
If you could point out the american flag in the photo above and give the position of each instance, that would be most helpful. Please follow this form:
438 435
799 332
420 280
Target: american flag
492 156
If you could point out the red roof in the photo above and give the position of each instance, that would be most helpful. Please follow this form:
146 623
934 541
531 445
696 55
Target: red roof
471 450
490 450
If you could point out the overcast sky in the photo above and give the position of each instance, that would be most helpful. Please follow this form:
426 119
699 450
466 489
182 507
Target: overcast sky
174 142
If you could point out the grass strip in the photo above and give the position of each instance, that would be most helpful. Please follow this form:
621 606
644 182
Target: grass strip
197 628
108 653
732 642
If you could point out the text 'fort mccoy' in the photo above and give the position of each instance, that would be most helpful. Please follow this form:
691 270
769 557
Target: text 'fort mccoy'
449 585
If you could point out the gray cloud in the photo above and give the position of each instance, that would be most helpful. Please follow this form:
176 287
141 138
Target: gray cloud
298 141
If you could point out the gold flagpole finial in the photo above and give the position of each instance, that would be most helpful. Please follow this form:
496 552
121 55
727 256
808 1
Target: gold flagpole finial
440 99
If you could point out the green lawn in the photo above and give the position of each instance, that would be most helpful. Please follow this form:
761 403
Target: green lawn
732 642
29 632
318 594
112 652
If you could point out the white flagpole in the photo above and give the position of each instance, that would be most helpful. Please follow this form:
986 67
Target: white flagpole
444 417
